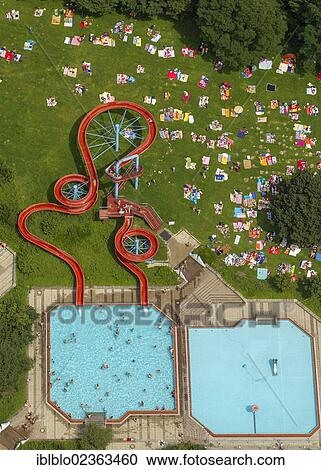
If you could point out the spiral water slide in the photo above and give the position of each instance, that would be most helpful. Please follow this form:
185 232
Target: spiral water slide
84 204
129 259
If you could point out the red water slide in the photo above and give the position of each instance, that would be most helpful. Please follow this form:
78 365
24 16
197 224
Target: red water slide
68 206
129 259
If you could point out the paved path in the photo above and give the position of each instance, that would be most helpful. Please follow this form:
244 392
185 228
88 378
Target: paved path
7 270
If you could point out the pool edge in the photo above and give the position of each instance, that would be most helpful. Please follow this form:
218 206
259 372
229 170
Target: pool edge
129 413
253 436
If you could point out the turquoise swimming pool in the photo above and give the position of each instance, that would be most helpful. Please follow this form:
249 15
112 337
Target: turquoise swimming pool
111 359
231 369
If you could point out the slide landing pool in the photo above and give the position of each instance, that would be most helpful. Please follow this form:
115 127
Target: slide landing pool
112 359
231 370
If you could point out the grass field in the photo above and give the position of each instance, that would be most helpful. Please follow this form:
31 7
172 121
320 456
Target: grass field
40 142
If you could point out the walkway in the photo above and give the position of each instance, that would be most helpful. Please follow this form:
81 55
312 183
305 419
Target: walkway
7 270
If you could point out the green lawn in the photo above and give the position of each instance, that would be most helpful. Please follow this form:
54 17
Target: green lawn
40 143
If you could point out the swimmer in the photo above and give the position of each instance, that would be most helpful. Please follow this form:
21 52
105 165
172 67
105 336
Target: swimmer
128 341
141 403
158 370
133 360
132 329
97 386
150 376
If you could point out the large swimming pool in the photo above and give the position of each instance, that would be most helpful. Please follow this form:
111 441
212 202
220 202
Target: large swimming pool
231 369
111 359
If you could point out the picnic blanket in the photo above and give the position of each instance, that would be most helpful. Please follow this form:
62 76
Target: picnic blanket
167 52
70 71
73 41
28 45
55 20
188 52
150 48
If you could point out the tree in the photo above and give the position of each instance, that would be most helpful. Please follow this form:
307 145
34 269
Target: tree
95 437
310 36
16 320
8 214
95 7
172 8
27 260
312 287
13 363
135 8
296 209
242 31
282 282
6 173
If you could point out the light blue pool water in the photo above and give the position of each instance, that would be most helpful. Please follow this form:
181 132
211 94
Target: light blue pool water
135 344
231 369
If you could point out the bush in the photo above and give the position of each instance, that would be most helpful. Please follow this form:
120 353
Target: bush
312 287
27 261
185 446
281 282
8 214
49 223
95 437
6 173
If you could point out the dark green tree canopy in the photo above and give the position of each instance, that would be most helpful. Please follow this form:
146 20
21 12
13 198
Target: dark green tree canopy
296 209
312 287
16 320
95 437
241 32
95 7
135 8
